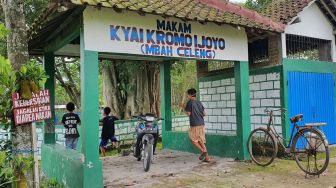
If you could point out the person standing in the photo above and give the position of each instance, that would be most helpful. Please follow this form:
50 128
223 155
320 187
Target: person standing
70 121
195 110
108 130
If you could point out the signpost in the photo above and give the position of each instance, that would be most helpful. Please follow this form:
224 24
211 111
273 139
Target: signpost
28 111
35 109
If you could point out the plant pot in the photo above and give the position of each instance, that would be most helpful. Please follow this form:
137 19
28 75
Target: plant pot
34 88
25 91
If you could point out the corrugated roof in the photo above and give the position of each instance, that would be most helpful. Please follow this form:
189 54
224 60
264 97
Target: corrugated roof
217 11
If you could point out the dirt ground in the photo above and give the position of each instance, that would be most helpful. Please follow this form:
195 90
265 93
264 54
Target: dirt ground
179 169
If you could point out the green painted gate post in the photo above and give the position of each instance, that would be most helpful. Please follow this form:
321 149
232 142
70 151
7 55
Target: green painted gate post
165 94
49 67
241 72
284 103
92 167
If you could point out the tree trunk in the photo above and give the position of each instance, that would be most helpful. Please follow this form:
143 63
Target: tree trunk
111 93
17 49
154 88
69 87
130 103
17 45
142 92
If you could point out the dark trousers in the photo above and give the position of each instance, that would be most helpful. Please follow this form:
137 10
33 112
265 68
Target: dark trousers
139 144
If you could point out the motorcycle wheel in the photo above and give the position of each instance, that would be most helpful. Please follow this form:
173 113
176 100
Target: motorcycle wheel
147 156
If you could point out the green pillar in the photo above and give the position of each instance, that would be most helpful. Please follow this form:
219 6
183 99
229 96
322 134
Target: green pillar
241 71
165 94
284 103
49 67
92 167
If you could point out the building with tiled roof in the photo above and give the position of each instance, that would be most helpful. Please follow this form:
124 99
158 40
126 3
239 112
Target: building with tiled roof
285 10
246 62
203 11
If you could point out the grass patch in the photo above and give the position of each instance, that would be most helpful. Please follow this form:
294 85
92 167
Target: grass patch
284 165
278 165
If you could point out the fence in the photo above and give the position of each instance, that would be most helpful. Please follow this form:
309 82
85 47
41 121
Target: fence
124 131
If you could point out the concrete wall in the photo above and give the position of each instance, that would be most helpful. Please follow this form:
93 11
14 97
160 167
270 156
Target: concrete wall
265 93
63 164
218 98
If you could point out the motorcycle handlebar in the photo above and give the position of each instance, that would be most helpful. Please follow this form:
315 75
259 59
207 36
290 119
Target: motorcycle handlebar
143 116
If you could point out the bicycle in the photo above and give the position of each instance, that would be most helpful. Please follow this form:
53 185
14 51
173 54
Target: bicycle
309 146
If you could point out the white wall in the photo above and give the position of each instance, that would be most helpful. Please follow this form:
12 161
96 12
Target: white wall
313 24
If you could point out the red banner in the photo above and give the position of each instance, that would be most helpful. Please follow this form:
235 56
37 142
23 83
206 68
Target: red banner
35 109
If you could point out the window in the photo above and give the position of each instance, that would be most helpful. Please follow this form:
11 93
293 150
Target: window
258 51
301 47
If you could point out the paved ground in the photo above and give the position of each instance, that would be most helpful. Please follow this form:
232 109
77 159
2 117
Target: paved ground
179 169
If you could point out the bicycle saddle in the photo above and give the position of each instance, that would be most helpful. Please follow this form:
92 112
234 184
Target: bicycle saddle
296 118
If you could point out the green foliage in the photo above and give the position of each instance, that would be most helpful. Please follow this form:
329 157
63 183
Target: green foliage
3 34
67 74
256 4
6 171
7 87
12 167
183 76
62 97
33 8
33 71
50 183
126 72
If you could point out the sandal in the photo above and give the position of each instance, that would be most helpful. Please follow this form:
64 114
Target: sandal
207 160
202 156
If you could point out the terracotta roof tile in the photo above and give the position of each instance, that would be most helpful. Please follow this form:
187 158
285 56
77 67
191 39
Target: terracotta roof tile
284 10
201 10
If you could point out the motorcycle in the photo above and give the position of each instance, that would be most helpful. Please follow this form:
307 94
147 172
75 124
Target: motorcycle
147 131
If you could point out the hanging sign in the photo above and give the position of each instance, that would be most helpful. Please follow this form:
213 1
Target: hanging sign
151 35
35 109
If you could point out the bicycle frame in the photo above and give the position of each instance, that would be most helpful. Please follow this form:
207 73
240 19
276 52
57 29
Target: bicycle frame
271 128
264 151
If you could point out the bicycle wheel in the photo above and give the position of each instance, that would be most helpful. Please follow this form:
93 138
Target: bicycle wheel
311 151
262 147
147 158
